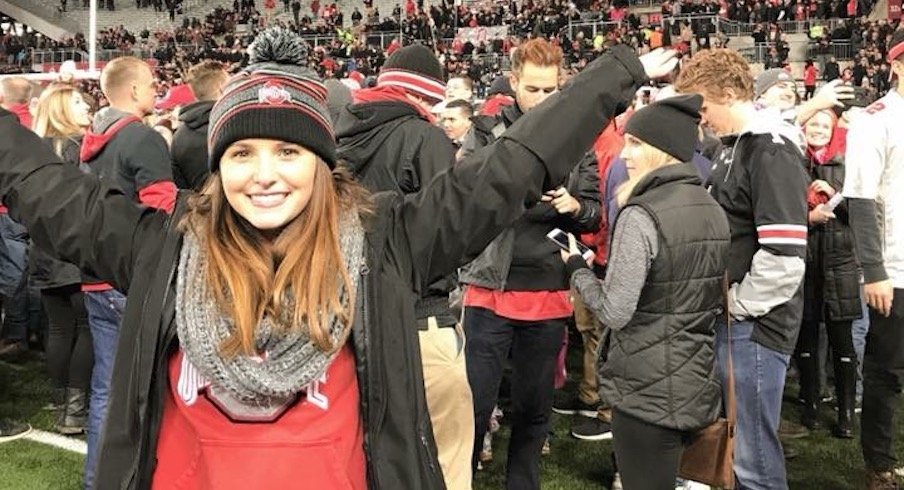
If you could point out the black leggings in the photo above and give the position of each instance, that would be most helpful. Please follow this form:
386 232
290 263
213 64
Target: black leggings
647 454
70 355
841 341
809 91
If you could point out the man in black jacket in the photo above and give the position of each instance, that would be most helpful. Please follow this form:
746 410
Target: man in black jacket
207 80
518 295
760 181
388 138
831 71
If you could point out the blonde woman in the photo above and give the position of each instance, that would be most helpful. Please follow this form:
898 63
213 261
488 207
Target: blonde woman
660 297
61 118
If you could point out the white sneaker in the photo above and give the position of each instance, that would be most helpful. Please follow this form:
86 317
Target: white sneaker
692 485
616 482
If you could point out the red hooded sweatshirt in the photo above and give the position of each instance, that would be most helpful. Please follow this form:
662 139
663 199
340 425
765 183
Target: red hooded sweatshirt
316 442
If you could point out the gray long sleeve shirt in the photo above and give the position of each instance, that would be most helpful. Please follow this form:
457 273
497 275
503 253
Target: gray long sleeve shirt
635 243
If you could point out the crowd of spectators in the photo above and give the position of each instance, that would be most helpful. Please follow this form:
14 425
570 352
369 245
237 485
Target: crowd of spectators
868 44
756 11
173 6
346 47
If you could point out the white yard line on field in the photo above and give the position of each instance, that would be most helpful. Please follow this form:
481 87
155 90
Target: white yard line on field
56 440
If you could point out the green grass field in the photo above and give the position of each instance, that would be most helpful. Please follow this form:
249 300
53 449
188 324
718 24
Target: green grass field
824 463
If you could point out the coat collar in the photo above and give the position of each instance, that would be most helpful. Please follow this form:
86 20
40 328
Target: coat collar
680 173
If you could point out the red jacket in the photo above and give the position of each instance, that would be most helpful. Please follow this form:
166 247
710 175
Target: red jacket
810 76
607 147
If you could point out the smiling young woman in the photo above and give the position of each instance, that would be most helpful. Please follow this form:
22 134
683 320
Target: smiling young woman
287 195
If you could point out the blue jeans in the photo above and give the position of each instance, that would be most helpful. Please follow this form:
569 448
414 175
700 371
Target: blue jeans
13 279
759 462
15 309
859 328
104 315
13 254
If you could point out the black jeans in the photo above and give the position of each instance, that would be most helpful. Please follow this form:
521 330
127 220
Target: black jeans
647 454
534 347
70 354
883 374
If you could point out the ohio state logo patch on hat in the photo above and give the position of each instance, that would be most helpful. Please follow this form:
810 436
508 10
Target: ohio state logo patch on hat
273 93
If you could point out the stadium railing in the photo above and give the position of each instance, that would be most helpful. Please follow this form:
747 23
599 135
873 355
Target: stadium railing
841 50
736 28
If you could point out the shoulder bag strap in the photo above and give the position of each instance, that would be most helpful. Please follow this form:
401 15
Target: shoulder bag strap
731 407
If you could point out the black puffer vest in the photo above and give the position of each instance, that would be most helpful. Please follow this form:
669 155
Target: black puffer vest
660 366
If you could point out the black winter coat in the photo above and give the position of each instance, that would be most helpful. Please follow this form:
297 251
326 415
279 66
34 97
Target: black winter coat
412 241
387 145
189 148
46 270
380 142
832 280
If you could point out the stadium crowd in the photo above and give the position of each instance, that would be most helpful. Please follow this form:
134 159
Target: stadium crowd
445 211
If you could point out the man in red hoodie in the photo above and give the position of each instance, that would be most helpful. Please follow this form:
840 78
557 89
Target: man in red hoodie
133 158
15 95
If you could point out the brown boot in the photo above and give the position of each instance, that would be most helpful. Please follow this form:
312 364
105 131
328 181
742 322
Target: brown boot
880 480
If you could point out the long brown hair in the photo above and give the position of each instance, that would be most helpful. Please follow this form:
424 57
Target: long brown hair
252 276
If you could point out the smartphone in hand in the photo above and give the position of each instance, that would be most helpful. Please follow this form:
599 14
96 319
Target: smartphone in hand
561 239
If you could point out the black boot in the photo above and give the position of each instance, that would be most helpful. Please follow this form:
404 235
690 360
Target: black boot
73 418
57 400
846 392
809 389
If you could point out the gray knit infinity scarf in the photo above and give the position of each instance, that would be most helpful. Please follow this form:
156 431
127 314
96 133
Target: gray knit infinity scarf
292 361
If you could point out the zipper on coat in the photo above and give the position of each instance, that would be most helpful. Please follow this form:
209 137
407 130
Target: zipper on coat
372 477
158 384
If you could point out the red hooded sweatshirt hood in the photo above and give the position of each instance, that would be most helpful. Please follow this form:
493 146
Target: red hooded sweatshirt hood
105 127
23 113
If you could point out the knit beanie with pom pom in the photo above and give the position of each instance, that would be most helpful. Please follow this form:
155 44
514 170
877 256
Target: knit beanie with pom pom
276 97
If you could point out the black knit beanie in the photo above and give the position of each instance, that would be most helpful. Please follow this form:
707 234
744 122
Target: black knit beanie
275 97
416 69
670 125
501 85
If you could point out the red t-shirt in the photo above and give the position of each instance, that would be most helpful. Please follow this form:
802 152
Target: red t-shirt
316 442
527 306
810 76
